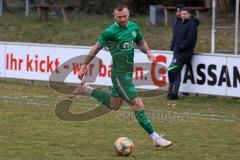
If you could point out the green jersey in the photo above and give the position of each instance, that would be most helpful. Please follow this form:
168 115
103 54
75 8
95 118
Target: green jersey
120 41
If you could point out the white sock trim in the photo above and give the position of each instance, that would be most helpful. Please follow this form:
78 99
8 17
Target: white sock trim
88 90
154 136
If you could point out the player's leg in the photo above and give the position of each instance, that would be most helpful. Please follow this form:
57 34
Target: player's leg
123 87
115 103
141 116
110 99
128 92
105 97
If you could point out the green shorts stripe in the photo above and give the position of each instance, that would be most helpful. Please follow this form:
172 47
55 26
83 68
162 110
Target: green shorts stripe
122 89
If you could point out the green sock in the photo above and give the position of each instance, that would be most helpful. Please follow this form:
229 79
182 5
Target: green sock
144 121
102 96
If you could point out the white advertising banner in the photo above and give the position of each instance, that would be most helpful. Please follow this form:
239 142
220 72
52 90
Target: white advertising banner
208 73
38 62
2 60
213 74
233 76
204 75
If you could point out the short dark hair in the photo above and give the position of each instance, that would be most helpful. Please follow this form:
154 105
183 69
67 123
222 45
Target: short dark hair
186 9
119 6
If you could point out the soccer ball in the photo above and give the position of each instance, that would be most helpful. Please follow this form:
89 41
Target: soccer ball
123 146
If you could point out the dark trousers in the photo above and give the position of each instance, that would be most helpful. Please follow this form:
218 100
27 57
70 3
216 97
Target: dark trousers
174 76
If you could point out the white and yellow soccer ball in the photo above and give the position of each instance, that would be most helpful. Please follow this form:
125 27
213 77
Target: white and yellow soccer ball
123 146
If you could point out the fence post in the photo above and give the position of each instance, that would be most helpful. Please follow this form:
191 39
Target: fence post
27 8
1 7
236 28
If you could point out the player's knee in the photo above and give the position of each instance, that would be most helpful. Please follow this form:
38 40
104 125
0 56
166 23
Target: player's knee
115 103
114 106
138 107
131 102
138 104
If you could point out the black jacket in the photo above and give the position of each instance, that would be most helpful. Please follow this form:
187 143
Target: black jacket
175 29
185 40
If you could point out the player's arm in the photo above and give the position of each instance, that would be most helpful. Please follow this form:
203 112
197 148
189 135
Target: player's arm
92 53
143 46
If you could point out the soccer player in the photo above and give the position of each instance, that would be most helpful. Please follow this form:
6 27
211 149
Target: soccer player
120 38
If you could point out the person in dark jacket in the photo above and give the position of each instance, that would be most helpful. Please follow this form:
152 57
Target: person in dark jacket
183 45
176 24
175 28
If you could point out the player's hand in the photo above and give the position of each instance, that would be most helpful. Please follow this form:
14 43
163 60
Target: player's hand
151 57
82 71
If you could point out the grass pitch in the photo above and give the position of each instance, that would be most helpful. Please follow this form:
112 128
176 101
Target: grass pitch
201 127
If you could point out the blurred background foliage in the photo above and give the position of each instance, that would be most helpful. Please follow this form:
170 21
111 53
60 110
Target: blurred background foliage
137 6
97 14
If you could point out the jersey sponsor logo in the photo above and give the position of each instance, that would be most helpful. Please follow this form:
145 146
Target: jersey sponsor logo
124 45
134 34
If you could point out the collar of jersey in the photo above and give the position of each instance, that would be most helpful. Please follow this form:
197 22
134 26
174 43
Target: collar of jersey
120 26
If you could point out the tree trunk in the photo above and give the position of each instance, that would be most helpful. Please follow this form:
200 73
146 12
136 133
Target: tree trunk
223 6
207 3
